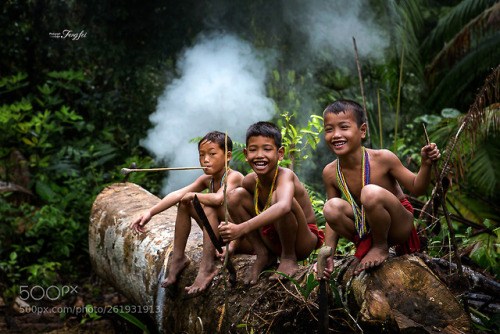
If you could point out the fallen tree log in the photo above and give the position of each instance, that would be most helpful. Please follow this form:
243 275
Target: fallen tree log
136 264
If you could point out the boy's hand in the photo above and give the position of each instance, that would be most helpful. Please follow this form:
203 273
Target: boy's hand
186 199
231 231
328 268
429 154
138 224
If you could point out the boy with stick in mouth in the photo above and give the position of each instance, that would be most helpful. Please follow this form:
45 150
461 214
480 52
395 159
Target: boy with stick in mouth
376 214
211 150
272 209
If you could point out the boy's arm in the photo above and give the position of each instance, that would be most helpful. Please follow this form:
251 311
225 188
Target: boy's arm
217 199
416 184
284 193
167 201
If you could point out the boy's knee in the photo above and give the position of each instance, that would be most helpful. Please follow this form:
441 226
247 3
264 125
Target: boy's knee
235 196
371 196
333 209
184 207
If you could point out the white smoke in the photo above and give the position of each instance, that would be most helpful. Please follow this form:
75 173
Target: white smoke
330 25
221 86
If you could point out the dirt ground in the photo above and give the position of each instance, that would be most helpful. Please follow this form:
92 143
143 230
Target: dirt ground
70 313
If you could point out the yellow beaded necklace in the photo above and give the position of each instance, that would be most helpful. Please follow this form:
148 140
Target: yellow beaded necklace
256 195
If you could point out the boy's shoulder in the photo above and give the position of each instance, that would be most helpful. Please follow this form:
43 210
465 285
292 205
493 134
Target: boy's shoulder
382 155
235 174
331 167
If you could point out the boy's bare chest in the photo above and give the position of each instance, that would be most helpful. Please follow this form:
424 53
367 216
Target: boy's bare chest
354 179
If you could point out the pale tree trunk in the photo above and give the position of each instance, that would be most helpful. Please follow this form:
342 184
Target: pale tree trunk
393 297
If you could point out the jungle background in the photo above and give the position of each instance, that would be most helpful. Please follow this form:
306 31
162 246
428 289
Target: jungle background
137 81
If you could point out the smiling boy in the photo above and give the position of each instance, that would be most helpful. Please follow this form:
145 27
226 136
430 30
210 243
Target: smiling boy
211 150
272 208
376 214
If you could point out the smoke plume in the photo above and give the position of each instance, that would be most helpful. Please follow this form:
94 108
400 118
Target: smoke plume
221 80
221 86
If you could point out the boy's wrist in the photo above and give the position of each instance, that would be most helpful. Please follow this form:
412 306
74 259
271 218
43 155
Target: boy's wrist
246 227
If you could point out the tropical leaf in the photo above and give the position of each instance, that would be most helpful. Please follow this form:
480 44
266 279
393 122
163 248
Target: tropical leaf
456 20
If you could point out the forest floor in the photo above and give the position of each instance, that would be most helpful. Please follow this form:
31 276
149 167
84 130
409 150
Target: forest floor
70 314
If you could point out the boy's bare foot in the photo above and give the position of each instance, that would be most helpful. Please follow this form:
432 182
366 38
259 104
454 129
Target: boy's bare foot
202 280
262 262
231 247
288 267
175 269
375 256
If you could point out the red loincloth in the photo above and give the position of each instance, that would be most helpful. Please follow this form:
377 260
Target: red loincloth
270 232
410 246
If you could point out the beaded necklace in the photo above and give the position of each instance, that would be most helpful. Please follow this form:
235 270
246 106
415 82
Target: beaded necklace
256 195
359 213
221 182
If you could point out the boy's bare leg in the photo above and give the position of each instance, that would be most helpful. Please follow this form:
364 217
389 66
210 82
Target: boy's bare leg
382 208
241 210
287 231
297 241
181 234
207 270
340 218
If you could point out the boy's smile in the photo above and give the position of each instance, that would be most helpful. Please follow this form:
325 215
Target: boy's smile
262 154
342 133
212 157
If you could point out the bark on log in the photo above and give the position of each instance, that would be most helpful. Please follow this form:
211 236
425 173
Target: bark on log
403 295
388 298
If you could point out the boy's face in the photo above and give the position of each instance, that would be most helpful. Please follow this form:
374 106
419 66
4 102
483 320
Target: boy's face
212 157
342 133
262 154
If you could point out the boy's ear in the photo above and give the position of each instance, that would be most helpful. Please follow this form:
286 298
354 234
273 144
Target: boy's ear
229 155
245 152
362 128
281 153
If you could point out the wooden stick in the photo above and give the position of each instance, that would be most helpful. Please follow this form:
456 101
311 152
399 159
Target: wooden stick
126 171
226 219
445 209
362 92
399 97
380 119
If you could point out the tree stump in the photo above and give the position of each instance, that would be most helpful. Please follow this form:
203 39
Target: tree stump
392 297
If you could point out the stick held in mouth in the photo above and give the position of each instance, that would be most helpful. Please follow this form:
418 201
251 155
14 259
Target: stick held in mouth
126 171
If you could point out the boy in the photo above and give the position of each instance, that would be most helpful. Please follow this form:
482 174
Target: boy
272 208
211 154
376 214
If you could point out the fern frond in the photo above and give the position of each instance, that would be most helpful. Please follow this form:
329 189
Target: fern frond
483 29
484 110
454 21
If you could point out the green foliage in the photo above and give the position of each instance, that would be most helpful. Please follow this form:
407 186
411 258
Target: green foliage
298 142
486 251
311 282
133 320
90 314
65 167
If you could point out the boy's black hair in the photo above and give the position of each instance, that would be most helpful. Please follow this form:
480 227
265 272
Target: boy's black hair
265 129
344 106
219 138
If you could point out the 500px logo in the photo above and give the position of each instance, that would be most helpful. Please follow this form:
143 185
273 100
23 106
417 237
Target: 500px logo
52 292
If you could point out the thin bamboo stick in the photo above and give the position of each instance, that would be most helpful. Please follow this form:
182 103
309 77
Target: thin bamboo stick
126 171
362 92
380 119
399 96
